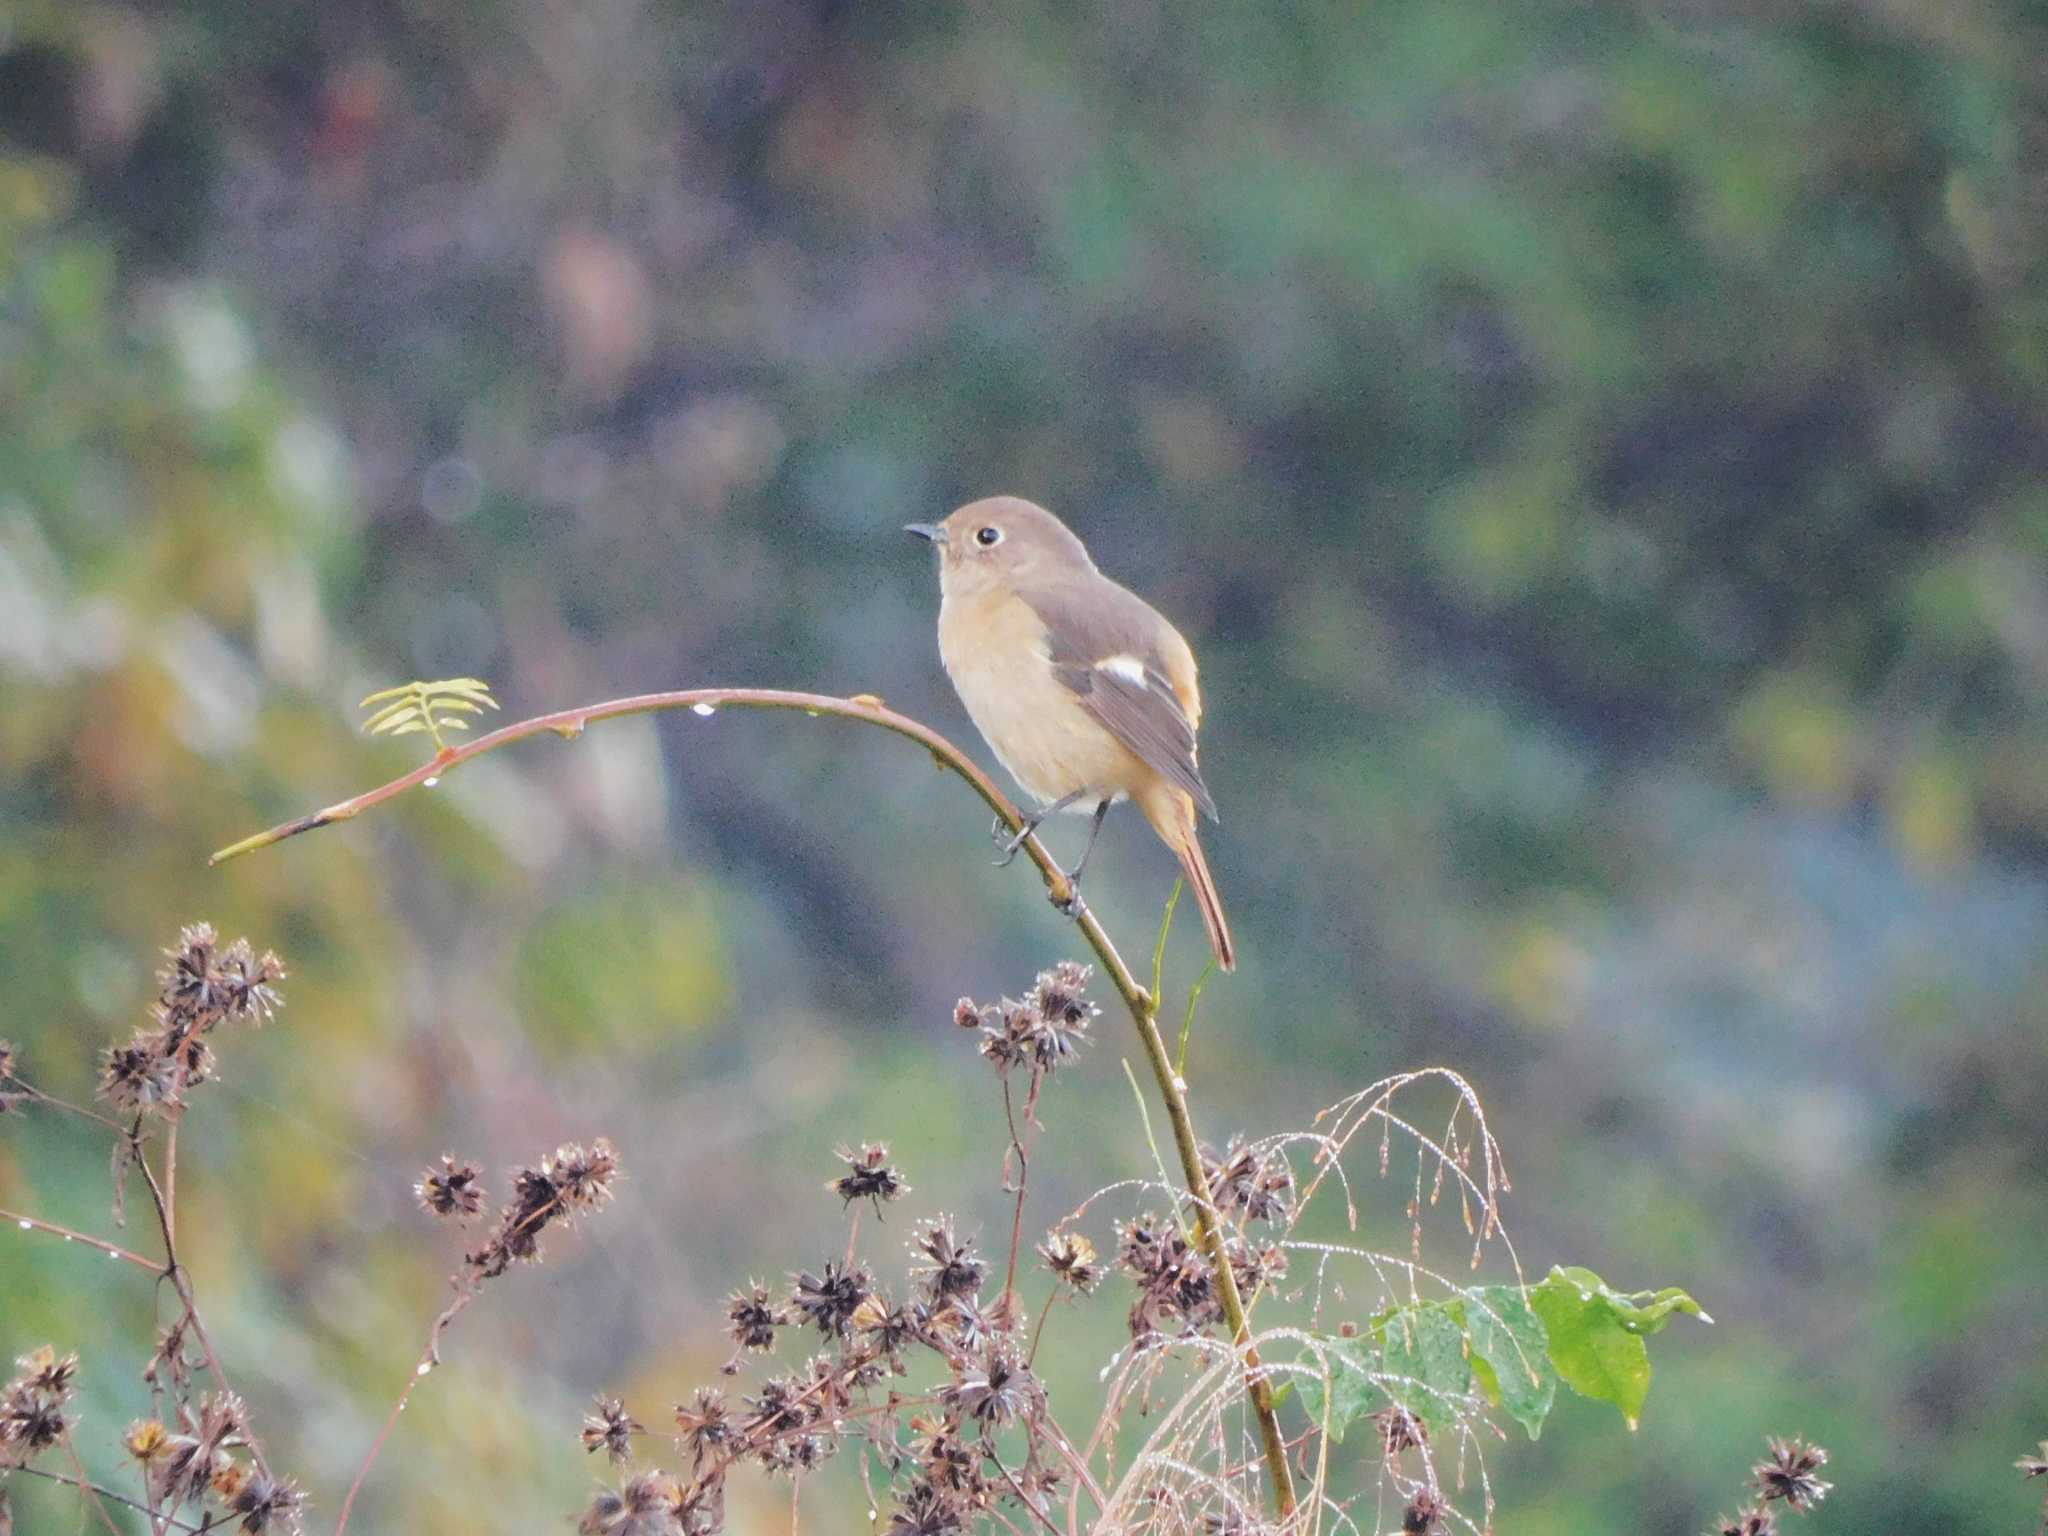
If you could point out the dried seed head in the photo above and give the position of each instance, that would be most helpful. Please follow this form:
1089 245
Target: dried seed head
1424 1513
704 1423
48 1373
189 1460
1175 1283
1754 1522
228 1480
995 1390
145 1438
924 1510
752 1318
138 1077
583 1178
868 1176
951 1268
1790 1473
830 1299
779 1409
454 1189
1257 1182
2035 1466
610 1429
32 1416
30 1423
1399 1430
1071 1258
1062 1013
263 1502
645 1506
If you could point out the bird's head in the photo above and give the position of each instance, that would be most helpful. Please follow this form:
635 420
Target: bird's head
1002 541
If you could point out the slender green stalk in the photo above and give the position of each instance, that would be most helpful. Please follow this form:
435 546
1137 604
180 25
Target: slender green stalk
1187 1019
1165 927
1142 1005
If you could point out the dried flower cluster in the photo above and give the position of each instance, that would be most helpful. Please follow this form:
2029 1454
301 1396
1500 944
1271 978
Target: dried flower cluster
1789 1475
1249 1181
203 983
1044 1029
34 1406
952 1449
570 1182
1177 1290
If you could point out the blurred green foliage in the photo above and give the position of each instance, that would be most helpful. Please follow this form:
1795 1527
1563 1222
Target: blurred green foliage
1597 449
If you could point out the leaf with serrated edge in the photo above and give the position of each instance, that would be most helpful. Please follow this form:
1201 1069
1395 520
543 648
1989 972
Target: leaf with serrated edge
1352 1392
1422 1353
1511 1354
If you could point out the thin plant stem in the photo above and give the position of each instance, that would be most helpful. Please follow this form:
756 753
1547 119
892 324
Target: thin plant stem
1142 1005
170 1176
38 1096
1038 1331
37 1224
1022 1497
1023 1152
468 1285
174 1271
1187 1019
86 1485
1159 944
429 1358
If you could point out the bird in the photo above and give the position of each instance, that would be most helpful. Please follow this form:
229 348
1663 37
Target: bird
1082 690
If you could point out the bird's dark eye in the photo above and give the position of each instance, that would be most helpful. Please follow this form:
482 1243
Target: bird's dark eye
987 536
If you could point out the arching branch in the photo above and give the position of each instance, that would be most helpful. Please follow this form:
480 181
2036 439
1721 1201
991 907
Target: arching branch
869 710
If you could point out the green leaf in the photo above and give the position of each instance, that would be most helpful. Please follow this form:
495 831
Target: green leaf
1511 1354
1425 1344
1351 1363
1642 1312
1596 1334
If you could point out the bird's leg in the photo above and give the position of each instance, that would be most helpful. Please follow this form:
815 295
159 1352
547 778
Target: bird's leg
1031 825
1072 906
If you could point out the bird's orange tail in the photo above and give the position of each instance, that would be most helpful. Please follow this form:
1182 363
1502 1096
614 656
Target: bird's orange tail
1172 815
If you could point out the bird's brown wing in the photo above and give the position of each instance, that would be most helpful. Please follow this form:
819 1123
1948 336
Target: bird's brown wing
1131 670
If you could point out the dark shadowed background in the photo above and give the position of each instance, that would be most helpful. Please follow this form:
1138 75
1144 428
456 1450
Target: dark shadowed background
1597 450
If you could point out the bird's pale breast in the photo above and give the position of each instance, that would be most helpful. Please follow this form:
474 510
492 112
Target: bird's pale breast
995 650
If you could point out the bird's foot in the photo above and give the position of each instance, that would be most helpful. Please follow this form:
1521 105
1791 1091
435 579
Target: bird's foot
1010 842
1073 905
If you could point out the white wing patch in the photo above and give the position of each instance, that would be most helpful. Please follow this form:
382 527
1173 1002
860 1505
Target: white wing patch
1129 668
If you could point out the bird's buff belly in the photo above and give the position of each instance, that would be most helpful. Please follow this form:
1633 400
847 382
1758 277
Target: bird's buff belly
1041 733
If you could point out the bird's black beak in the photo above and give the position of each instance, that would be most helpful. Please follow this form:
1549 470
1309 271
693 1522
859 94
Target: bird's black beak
931 531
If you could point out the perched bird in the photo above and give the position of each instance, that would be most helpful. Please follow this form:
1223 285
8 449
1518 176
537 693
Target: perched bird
1083 691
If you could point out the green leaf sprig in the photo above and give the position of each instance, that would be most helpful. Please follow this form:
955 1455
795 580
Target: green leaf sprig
430 707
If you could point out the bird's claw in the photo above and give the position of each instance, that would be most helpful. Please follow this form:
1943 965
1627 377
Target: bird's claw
1073 906
1010 843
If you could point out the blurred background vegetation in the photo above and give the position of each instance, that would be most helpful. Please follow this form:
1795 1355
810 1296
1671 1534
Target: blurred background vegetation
1597 449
